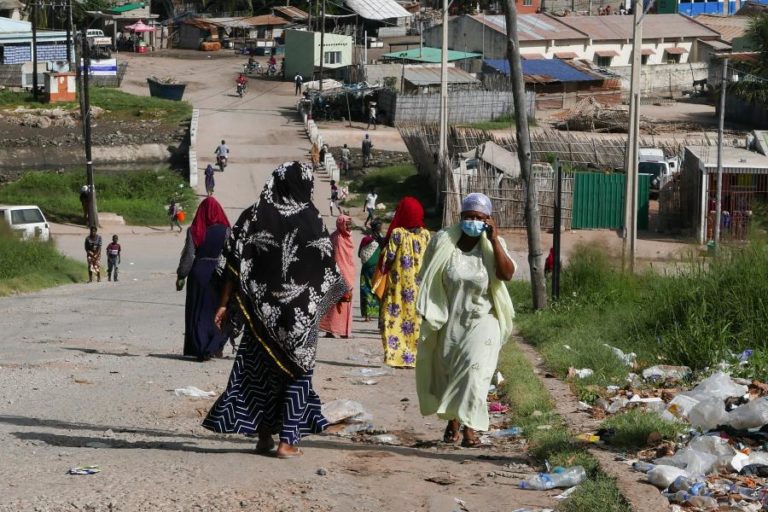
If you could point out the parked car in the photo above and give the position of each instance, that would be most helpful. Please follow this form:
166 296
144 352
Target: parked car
28 221
652 161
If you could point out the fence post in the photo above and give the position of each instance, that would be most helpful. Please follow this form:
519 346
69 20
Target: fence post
556 234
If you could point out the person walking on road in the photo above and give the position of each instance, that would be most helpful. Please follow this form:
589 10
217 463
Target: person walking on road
279 279
400 262
173 215
370 206
334 197
205 240
367 149
210 183
338 321
298 80
467 316
369 252
371 116
93 254
345 155
113 259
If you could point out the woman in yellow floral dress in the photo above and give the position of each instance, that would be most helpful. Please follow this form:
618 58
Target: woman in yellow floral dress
401 261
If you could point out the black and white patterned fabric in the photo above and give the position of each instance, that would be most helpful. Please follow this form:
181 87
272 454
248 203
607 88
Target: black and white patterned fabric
281 256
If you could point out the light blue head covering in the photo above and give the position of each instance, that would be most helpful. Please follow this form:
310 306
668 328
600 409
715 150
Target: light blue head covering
477 202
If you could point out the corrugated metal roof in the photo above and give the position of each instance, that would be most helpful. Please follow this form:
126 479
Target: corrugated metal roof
9 25
719 46
553 69
10 4
655 26
264 20
377 9
729 27
676 50
566 55
430 75
735 160
532 27
292 12
429 55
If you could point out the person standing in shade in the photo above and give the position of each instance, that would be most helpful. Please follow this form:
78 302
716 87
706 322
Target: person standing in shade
205 239
338 321
298 80
367 149
466 316
369 252
400 262
371 116
370 206
209 180
334 197
93 254
113 259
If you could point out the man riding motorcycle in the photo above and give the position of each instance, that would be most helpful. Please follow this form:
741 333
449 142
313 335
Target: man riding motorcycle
222 155
242 84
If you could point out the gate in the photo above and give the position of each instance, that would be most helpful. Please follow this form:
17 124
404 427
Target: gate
598 201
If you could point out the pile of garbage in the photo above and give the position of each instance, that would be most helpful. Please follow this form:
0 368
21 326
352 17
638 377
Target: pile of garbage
48 117
590 115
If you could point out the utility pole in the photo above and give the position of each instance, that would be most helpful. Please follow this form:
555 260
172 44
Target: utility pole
631 177
70 36
322 46
85 114
556 231
35 93
720 127
532 221
442 156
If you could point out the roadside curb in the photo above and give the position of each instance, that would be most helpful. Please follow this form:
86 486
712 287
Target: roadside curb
193 171
315 137
641 496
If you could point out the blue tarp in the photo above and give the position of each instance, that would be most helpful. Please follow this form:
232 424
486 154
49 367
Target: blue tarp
556 69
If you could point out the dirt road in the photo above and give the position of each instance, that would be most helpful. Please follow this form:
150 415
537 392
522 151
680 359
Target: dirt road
87 374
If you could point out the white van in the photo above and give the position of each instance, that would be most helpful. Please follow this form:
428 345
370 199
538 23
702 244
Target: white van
94 32
652 161
28 221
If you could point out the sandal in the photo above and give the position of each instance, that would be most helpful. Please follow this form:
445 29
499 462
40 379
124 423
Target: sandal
471 442
450 435
293 455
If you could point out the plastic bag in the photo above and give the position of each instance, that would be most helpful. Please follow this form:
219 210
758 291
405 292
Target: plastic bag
751 415
193 392
344 410
664 372
693 461
681 406
663 476
708 414
718 385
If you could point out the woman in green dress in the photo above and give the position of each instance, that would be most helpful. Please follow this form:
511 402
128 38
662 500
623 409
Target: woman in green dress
369 252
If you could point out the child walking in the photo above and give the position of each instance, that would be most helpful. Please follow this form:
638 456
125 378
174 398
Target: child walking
173 215
334 197
113 258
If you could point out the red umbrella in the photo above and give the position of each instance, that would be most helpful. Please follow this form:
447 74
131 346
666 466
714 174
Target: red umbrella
140 26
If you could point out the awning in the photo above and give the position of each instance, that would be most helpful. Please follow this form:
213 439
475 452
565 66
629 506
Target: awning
607 53
565 55
647 51
532 56
377 9
676 50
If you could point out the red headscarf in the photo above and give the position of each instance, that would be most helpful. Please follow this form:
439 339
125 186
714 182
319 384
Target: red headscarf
409 214
208 214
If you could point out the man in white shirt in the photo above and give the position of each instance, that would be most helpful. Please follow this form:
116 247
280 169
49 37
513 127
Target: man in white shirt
370 205
345 154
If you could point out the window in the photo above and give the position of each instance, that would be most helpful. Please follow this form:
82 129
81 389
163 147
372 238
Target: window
643 60
26 216
603 62
332 58
673 58
527 3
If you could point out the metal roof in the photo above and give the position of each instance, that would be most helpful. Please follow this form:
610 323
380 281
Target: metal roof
675 50
377 9
9 25
429 55
420 75
547 70
497 157
735 160
655 26
121 9
294 13
264 20
719 46
532 27
729 27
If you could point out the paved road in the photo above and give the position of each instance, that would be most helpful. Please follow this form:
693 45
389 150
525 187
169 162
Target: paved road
87 373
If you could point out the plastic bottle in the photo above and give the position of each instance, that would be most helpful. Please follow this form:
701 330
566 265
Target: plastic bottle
643 467
703 502
685 483
677 497
544 481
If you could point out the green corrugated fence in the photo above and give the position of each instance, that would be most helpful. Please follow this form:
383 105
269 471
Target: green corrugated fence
598 201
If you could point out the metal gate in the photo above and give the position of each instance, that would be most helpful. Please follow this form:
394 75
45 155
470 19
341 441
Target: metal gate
598 201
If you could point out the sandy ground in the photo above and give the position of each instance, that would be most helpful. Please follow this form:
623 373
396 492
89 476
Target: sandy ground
87 373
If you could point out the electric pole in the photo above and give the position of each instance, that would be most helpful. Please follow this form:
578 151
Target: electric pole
35 93
442 158
85 114
720 127
631 163
322 46
70 36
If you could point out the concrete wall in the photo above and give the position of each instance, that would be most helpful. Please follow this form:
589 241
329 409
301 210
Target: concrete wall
664 79
302 51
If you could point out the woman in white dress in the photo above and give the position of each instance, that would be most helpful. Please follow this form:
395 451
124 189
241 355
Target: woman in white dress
466 318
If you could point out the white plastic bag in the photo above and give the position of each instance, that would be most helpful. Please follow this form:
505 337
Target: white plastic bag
693 461
708 414
193 392
718 385
662 476
751 415
341 410
681 406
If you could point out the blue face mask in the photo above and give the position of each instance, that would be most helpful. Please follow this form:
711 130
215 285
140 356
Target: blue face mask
473 228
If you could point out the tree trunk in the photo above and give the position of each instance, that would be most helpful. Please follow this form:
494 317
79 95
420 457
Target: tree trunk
532 223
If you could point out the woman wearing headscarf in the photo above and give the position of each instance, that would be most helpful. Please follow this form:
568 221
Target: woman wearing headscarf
279 279
209 180
205 239
400 261
369 253
338 321
467 316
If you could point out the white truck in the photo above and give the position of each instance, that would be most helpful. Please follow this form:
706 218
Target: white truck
661 168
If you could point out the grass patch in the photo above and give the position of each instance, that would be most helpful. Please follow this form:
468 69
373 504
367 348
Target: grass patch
121 105
633 428
141 197
391 183
532 408
30 265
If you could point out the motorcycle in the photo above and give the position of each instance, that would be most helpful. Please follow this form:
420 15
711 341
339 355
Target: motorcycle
250 69
272 70
241 89
221 161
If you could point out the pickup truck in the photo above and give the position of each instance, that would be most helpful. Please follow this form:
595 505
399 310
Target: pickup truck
652 161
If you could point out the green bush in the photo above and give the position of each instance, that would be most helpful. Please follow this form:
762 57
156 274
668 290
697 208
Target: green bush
633 428
140 197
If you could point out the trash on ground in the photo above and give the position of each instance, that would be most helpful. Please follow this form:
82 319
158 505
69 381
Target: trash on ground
84 470
370 372
390 439
581 373
545 481
663 372
497 408
193 392
441 480
507 432
627 359
365 382
348 411
588 438
566 494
